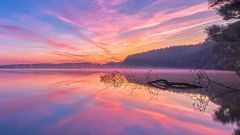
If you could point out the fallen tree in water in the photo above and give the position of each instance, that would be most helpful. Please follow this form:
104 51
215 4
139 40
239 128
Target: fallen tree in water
165 84
202 81
201 89
117 79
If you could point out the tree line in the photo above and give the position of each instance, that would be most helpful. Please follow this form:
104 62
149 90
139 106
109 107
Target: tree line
226 37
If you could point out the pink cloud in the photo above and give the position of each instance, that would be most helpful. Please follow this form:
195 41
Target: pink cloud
103 30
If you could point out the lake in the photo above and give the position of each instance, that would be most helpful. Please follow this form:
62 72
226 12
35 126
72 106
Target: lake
74 102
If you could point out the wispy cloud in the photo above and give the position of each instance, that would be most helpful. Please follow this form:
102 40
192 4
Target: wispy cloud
106 30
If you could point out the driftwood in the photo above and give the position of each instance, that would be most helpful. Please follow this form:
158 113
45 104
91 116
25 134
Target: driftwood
164 84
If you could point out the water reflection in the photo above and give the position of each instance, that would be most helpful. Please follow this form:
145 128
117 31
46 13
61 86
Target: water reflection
228 111
76 102
226 97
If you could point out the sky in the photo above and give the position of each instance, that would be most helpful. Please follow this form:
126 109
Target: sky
98 31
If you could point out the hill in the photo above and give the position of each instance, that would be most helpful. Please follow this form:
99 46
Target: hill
191 56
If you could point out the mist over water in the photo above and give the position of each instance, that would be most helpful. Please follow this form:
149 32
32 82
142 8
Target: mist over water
78 102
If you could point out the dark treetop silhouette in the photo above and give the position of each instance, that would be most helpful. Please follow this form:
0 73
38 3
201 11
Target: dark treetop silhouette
226 37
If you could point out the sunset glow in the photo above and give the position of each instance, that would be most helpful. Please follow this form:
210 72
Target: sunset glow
77 103
99 31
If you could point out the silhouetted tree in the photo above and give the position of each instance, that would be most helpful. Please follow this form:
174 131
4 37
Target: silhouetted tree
226 37
228 9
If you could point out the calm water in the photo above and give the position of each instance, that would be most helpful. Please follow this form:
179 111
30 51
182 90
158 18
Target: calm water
66 102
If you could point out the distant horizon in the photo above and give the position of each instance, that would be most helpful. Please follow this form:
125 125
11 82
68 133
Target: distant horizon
96 62
107 61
